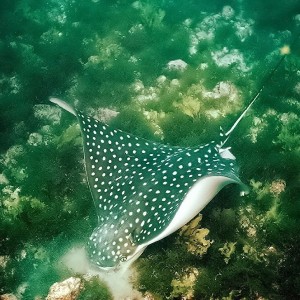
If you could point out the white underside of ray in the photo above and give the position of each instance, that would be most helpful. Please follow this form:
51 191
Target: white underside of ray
202 192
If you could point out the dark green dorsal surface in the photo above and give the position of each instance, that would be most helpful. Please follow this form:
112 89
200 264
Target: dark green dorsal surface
138 185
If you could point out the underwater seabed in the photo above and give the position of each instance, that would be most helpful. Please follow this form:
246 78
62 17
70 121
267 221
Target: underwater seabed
170 72
118 282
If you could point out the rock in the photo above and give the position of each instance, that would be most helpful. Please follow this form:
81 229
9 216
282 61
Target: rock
277 187
4 259
225 58
297 88
148 296
222 89
47 113
68 289
35 139
106 114
145 93
174 82
138 86
161 79
297 18
8 297
227 12
203 66
243 29
177 65
187 22
3 179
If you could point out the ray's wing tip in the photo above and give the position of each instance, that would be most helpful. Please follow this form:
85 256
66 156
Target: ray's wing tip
56 101
244 190
63 105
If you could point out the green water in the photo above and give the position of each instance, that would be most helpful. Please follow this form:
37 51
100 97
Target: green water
110 59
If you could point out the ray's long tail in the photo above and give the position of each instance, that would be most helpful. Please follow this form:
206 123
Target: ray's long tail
256 96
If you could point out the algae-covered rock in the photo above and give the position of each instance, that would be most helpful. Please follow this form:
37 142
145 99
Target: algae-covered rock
105 114
68 289
151 16
225 58
106 51
177 64
47 114
277 187
190 106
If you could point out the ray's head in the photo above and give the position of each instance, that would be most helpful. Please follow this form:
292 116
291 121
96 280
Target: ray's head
110 245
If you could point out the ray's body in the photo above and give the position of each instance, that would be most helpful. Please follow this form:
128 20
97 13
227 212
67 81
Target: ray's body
143 191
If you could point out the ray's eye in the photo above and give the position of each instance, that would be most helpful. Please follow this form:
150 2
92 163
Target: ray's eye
123 258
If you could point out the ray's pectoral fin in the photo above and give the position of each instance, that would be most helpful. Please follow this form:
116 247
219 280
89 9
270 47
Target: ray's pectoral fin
64 105
144 191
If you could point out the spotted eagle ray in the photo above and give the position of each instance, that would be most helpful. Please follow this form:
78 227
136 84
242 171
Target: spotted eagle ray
144 191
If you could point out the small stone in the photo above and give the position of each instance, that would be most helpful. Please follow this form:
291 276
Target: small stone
178 65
